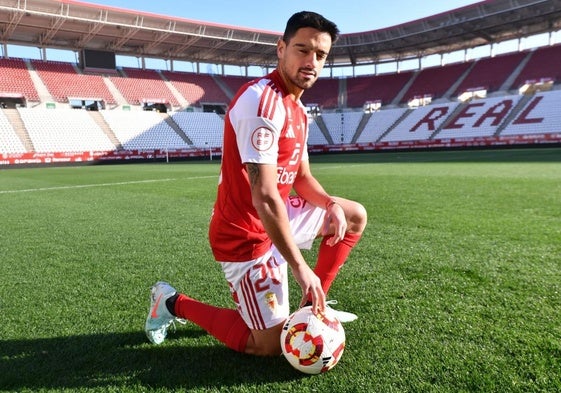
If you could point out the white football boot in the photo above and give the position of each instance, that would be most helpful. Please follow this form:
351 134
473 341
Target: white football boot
159 318
342 316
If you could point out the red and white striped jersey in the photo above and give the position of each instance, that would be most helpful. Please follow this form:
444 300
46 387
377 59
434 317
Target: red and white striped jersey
265 126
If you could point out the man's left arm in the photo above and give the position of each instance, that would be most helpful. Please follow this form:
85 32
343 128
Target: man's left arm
310 189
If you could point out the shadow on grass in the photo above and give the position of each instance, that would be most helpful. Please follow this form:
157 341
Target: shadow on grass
127 360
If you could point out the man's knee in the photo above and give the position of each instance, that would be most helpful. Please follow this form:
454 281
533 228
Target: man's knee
358 218
265 342
269 350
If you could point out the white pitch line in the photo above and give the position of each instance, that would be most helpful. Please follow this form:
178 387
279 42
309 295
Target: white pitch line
95 185
136 182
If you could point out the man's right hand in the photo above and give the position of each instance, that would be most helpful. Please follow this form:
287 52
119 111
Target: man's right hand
311 287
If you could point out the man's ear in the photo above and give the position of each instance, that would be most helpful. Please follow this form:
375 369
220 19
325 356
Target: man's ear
281 46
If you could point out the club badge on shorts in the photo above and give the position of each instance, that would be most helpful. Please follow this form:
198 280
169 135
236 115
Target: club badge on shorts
271 300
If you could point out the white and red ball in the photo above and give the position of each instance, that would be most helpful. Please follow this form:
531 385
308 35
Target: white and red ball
312 343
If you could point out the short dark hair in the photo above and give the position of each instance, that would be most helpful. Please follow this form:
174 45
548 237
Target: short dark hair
309 19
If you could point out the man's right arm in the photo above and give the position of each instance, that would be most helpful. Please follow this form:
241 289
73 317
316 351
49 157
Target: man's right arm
272 212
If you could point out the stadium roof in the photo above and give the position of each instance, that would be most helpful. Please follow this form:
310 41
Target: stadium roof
76 25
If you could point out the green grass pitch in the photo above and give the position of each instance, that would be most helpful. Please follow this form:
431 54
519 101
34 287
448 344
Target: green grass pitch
457 280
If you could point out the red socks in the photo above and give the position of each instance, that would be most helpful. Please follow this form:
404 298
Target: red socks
224 324
330 259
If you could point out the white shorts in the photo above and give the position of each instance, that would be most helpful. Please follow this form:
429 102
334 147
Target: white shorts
260 287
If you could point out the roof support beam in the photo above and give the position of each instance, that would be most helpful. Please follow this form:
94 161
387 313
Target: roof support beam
56 23
15 18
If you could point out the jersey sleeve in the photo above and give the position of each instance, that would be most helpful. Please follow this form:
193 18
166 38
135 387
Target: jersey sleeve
257 119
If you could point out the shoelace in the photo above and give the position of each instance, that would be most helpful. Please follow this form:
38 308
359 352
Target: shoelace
178 320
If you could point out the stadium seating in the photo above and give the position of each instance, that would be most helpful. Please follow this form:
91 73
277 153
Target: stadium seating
15 79
544 63
203 129
72 130
435 81
342 125
479 118
62 81
378 87
63 130
140 86
325 93
379 123
235 82
196 88
315 135
143 130
420 124
9 141
541 116
490 73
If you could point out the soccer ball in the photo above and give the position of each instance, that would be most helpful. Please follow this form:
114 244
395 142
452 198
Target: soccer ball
312 343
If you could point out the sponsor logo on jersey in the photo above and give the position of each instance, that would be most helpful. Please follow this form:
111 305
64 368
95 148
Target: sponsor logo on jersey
285 177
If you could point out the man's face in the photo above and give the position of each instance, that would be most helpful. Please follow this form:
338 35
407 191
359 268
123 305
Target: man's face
302 58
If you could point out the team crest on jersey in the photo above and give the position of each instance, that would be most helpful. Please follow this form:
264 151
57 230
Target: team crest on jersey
262 139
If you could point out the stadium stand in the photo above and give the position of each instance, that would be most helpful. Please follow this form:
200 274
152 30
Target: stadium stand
435 81
203 129
143 130
420 124
544 63
479 118
379 123
142 86
384 87
9 140
342 125
64 82
15 79
339 118
490 73
325 93
70 130
315 135
63 130
196 88
234 82
540 116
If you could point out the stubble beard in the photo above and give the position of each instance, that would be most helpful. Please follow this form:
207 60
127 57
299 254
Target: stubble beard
303 83
297 80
